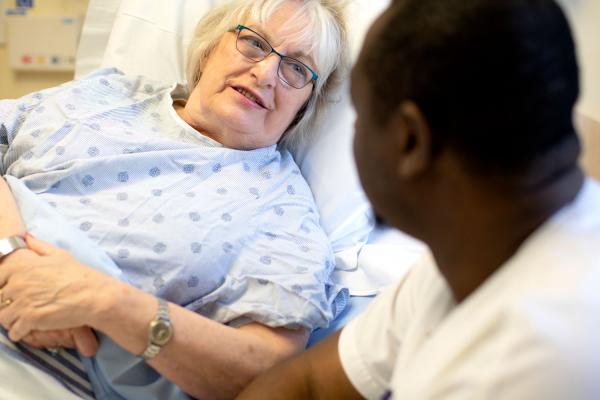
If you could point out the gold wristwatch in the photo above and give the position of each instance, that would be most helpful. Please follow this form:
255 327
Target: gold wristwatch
10 244
160 331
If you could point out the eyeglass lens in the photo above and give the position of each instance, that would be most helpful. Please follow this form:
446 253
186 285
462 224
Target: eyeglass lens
292 71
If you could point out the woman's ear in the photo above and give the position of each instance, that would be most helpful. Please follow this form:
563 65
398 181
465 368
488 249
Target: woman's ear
412 140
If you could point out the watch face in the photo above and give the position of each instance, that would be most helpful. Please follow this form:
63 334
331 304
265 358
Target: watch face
160 332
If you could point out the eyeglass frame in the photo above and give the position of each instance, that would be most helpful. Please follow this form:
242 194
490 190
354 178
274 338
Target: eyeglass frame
239 28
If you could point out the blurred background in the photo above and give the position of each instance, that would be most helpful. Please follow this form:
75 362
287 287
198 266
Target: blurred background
38 43
38 49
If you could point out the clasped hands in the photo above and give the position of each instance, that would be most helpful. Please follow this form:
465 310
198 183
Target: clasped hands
48 299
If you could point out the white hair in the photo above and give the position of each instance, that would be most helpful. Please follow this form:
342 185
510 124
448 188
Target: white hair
325 30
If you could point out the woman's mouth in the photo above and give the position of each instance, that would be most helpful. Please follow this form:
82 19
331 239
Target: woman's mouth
250 96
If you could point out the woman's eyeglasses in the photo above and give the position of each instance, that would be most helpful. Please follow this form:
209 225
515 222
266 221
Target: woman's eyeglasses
291 71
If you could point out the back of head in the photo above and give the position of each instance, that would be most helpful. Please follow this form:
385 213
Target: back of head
325 31
496 79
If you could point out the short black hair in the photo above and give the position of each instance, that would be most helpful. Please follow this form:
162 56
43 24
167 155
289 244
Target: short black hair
496 79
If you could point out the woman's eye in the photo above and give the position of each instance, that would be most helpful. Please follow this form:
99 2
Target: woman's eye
254 42
298 69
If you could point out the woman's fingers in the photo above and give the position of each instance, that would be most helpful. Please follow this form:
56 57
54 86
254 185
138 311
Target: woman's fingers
39 246
85 340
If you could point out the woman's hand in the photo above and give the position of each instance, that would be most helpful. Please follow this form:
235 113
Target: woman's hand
43 288
82 339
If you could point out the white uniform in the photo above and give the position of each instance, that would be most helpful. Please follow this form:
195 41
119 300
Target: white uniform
530 331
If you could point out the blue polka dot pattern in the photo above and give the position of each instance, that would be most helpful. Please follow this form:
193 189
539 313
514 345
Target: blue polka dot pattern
104 82
226 217
194 216
154 172
297 288
188 168
93 151
246 167
266 174
265 260
271 235
291 190
196 247
158 218
254 191
56 185
227 247
85 226
159 248
85 201
222 191
278 210
157 192
70 107
123 176
217 168
193 281
88 180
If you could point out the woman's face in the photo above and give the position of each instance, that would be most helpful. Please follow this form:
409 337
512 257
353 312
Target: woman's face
243 104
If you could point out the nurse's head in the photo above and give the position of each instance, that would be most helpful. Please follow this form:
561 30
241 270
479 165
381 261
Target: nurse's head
488 84
260 71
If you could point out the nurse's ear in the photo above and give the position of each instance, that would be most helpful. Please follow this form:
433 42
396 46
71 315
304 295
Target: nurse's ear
411 140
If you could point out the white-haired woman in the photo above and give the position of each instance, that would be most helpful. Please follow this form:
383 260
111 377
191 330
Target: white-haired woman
195 198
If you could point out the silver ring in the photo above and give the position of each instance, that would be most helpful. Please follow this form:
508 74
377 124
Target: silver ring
54 351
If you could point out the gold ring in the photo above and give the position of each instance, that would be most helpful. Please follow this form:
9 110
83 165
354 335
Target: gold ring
5 302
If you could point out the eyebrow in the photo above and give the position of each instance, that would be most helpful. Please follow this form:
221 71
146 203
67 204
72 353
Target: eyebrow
300 55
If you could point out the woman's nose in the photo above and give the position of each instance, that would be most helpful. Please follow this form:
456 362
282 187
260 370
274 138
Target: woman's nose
265 71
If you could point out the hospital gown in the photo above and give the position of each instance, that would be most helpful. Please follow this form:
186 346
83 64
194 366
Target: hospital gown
233 235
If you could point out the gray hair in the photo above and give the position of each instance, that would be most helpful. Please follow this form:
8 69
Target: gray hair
326 30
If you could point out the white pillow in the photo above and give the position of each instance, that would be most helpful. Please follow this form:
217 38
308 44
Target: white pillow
150 37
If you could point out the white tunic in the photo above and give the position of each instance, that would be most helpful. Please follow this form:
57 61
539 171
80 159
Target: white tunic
530 331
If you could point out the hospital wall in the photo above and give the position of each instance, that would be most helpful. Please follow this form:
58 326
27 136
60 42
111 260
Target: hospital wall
585 17
15 84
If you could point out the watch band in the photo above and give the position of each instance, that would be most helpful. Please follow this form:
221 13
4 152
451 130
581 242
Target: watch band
160 331
10 244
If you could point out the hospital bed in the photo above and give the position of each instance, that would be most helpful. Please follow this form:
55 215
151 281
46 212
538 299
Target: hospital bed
150 38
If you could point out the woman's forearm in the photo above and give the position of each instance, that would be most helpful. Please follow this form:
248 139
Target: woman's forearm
205 358
10 218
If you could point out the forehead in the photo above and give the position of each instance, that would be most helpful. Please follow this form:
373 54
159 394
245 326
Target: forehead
288 26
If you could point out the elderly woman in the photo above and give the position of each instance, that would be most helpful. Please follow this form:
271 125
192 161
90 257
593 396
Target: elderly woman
195 198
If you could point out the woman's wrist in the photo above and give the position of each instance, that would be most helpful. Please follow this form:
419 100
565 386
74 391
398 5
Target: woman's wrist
123 313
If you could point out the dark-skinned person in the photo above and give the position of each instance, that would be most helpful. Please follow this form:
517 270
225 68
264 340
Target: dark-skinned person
464 139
